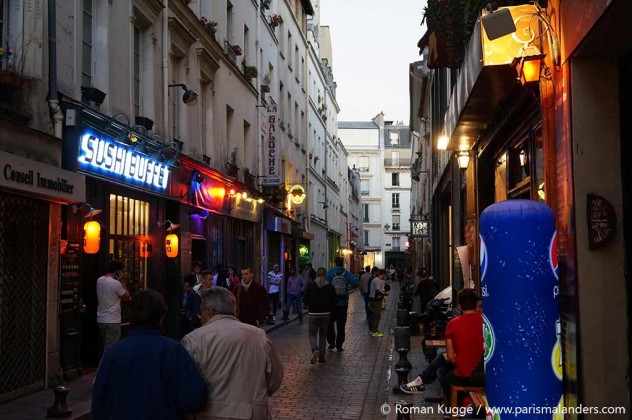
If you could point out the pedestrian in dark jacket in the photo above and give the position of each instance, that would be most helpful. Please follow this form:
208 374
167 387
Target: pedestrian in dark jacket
252 299
320 296
147 375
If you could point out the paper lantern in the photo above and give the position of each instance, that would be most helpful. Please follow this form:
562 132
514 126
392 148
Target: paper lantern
91 237
171 245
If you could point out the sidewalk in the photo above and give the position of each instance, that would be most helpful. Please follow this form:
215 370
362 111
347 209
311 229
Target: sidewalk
35 406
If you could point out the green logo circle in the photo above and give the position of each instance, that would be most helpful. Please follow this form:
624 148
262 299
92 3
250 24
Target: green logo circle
489 338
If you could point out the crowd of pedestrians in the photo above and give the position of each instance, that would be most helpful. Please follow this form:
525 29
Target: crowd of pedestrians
225 365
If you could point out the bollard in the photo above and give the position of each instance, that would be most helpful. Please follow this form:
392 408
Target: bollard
402 337
402 318
403 359
402 379
402 408
60 409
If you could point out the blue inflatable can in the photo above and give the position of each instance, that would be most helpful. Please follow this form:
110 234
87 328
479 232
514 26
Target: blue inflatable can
520 290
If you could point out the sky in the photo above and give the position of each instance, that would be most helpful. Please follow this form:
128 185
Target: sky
373 42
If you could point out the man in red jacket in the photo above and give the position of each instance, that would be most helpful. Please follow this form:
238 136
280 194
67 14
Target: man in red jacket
252 299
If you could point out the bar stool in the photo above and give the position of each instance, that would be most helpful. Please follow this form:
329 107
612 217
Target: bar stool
459 388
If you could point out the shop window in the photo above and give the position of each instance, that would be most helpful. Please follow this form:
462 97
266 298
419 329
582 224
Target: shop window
129 238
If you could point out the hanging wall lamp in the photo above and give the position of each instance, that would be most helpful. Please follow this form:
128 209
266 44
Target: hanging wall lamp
171 240
91 230
463 157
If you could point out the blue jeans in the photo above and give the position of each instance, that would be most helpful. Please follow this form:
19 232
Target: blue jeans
299 306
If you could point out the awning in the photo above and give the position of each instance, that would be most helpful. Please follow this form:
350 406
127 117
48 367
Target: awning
485 80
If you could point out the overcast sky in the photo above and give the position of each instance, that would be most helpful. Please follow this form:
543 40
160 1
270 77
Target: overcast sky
373 41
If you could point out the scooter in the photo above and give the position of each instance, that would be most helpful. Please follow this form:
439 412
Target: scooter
434 322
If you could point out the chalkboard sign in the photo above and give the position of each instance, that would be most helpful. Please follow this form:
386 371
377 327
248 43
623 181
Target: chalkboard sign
69 299
602 221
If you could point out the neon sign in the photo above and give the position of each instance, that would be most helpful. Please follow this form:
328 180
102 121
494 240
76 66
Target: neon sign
108 158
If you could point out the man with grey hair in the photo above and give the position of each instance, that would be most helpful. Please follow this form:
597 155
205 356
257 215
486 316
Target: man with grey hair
237 361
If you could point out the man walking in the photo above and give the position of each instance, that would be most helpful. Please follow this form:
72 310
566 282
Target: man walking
320 296
365 282
293 294
238 362
341 279
252 300
111 290
147 375
274 283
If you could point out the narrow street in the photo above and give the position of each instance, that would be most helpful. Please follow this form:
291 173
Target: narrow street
351 385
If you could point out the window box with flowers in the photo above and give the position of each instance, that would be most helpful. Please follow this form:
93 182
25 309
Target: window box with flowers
250 72
209 25
275 20
11 76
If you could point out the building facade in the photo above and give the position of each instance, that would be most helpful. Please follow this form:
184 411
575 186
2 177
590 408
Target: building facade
557 139
139 132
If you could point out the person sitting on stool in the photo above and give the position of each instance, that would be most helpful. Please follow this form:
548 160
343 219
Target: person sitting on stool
464 349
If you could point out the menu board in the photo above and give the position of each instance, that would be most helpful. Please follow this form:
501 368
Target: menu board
69 299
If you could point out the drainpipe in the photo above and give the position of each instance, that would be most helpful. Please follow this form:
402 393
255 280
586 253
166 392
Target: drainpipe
165 68
53 101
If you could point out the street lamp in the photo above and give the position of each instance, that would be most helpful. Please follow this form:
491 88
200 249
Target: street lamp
463 158
190 97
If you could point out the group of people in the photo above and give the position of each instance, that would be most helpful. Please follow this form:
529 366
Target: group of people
226 367
251 298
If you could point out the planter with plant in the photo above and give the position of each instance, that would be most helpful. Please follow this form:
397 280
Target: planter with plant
249 72
275 20
265 85
11 68
231 165
209 25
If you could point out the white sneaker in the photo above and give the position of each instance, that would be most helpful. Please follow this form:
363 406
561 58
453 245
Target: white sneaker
414 387
314 357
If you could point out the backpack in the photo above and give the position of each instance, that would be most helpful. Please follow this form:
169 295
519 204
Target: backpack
340 284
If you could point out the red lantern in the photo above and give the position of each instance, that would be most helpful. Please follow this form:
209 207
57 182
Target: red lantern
171 245
91 237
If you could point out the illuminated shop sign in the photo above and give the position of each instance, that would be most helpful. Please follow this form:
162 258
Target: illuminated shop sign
107 158
272 150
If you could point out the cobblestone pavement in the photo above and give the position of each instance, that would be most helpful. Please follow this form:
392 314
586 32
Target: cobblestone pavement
353 384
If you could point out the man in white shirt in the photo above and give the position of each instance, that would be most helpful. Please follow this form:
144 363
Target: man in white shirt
111 289
275 278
